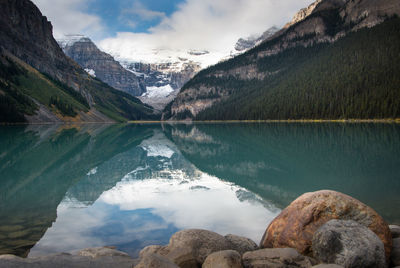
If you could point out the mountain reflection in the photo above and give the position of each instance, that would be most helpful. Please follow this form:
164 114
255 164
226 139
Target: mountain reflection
38 164
281 161
134 185
143 196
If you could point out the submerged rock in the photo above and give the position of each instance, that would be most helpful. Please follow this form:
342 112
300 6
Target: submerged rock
223 259
349 244
276 258
101 252
327 266
296 224
67 260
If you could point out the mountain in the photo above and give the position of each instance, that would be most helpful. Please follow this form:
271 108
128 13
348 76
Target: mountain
162 80
100 64
245 44
337 59
155 84
39 83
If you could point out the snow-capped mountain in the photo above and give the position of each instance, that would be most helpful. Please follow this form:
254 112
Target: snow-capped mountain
244 44
159 72
100 64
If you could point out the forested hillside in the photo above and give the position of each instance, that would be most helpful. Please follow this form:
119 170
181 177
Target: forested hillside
355 77
39 83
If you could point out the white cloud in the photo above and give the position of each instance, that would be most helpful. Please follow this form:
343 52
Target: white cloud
68 17
143 13
203 25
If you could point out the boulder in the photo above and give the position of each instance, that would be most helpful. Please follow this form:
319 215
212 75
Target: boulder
241 244
152 260
223 259
395 257
190 248
276 258
348 243
149 250
295 225
101 252
395 230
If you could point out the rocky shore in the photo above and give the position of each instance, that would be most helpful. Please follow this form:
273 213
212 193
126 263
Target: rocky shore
323 229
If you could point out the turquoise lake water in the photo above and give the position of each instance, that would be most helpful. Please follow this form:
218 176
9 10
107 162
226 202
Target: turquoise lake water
64 188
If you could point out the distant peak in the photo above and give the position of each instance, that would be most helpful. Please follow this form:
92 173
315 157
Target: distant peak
70 39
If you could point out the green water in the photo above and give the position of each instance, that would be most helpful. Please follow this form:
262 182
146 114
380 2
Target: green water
133 185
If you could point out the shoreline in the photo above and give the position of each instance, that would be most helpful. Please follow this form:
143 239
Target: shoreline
341 121
349 121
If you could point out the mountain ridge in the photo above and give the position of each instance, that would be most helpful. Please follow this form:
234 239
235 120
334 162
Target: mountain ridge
260 67
40 84
83 51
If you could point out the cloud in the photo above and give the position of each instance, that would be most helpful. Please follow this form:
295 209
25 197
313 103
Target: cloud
204 25
68 17
143 13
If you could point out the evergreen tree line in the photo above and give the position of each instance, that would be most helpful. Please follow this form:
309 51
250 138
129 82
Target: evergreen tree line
356 77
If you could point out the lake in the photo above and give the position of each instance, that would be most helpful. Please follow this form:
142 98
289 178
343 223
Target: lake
64 188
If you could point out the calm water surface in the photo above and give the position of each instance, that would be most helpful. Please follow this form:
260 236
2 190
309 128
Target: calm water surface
66 188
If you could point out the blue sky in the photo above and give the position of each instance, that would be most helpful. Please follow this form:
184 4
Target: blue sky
116 15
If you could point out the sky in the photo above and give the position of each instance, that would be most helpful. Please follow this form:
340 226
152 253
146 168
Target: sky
213 25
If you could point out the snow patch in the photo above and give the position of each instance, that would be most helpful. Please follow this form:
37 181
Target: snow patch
158 92
70 39
92 171
91 72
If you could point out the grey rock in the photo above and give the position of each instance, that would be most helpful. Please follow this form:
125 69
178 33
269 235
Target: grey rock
190 248
66 261
395 256
101 252
349 244
88 56
395 230
327 266
276 258
152 260
223 259
241 244
149 250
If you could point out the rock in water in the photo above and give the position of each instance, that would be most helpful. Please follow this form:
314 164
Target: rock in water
395 230
190 248
223 259
395 258
296 224
276 258
152 260
241 244
349 244
327 266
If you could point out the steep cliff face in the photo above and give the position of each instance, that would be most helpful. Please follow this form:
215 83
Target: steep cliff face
324 22
39 83
101 65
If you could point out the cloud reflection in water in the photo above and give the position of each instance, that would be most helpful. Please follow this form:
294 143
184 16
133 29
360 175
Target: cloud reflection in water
162 195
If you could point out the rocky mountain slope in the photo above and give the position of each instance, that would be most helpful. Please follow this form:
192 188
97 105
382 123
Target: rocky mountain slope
155 84
162 80
38 83
100 64
244 44
300 72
